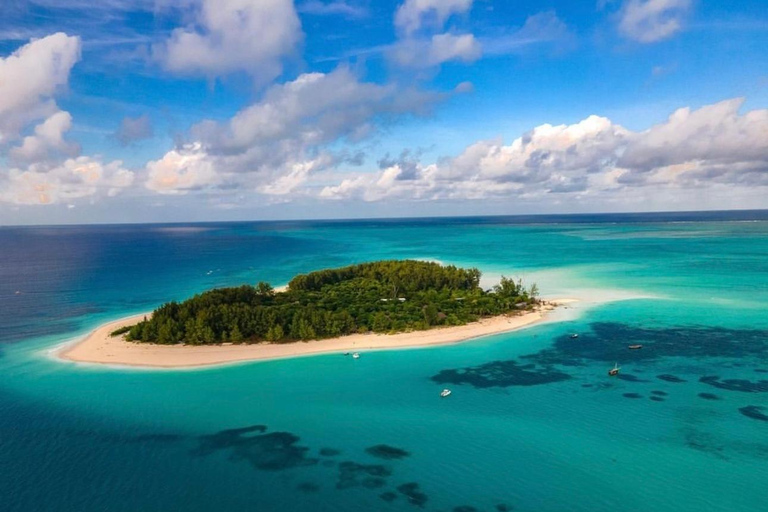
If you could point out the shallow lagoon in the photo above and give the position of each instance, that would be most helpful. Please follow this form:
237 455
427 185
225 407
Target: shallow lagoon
534 422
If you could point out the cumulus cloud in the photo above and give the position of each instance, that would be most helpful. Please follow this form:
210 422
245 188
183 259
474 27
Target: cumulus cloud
297 176
73 179
47 167
648 21
713 143
286 133
134 129
181 170
694 148
412 15
419 46
44 65
234 35
48 137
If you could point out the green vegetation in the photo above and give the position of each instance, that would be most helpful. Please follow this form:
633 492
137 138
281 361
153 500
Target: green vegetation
121 330
383 297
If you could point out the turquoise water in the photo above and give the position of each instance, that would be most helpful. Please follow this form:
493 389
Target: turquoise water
533 423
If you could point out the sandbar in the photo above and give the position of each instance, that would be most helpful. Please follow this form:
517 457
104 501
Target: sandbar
100 348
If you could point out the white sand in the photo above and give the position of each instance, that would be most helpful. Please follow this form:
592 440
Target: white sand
100 347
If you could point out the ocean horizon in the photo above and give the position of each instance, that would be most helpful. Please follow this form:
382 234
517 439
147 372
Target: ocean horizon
534 423
745 215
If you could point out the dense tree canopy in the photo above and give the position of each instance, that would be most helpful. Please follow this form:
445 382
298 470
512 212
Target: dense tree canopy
383 297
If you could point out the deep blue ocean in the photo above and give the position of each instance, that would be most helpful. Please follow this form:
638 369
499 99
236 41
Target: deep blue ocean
534 422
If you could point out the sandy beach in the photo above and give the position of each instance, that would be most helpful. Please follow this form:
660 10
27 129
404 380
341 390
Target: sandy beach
100 347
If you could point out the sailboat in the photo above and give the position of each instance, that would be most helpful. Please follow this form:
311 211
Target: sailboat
615 370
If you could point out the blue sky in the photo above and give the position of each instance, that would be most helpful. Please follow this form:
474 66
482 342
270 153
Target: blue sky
176 110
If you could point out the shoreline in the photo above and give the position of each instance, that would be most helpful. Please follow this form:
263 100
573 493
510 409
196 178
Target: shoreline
99 347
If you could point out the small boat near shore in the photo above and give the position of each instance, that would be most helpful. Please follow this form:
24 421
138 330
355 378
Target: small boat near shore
635 347
444 393
355 356
614 371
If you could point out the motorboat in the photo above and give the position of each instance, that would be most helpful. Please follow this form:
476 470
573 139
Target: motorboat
614 371
355 356
574 336
444 393
635 347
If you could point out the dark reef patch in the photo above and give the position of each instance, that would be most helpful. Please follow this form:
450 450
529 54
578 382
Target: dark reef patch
464 508
157 438
754 412
374 483
587 385
414 495
709 396
308 487
656 399
630 378
742 385
607 342
388 496
352 474
687 341
632 395
659 393
383 451
329 452
670 378
275 451
501 374
503 507
761 370
703 442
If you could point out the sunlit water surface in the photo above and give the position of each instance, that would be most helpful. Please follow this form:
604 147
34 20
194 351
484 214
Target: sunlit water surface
534 422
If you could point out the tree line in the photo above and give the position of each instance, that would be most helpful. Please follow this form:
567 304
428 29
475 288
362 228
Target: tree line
382 297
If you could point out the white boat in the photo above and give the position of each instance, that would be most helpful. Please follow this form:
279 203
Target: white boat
444 393
574 336
356 356
615 370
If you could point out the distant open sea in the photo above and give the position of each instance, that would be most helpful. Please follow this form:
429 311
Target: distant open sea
534 423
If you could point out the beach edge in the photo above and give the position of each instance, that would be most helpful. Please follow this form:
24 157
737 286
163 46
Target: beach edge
99 348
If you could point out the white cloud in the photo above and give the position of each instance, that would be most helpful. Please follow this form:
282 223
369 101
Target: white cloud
298 175
275 143
234 35
30 77
440 48
709 147
713 143
412 15
75 178
181 170
48 137
419 47
648 21
48 168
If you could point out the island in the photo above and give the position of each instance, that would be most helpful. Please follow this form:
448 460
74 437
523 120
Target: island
376 305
